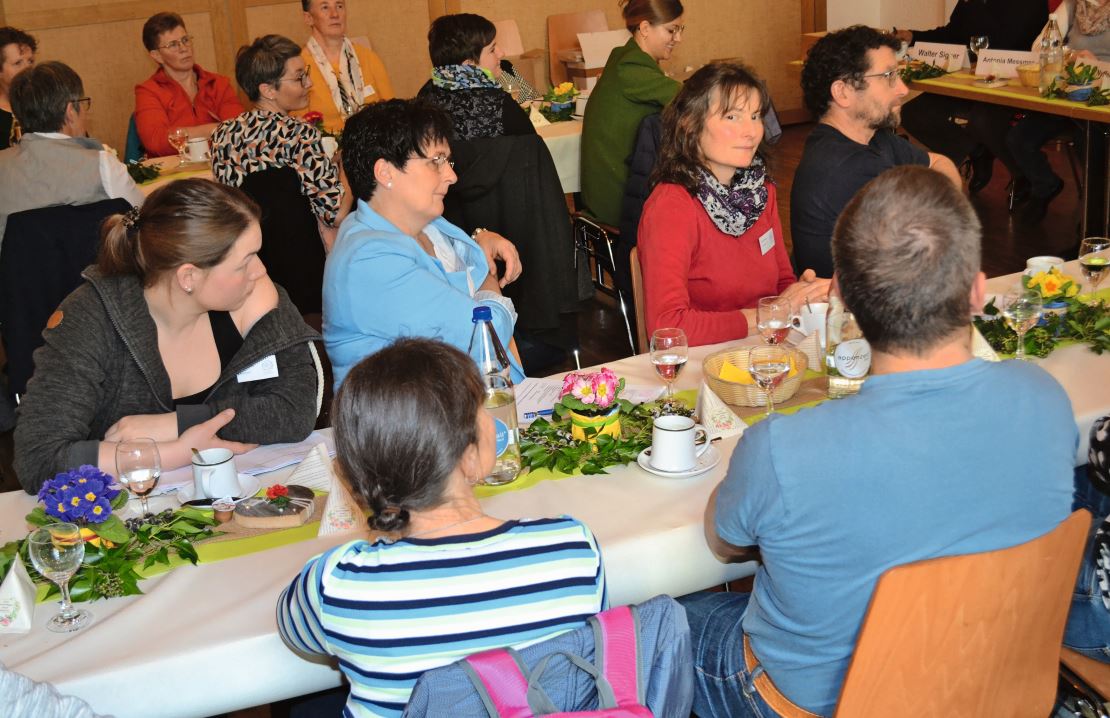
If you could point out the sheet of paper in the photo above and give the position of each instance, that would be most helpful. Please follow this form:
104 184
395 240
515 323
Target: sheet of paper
535 397
596 46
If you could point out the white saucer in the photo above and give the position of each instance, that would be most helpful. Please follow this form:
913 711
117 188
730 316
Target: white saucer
248 485
705 462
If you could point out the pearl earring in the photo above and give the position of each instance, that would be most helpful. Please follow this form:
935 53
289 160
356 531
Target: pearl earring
188 290
389 185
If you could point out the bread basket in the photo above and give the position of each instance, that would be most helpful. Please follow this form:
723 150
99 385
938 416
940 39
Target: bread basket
749 394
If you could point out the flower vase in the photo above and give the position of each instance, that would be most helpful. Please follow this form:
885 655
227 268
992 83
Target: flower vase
603 421
560 106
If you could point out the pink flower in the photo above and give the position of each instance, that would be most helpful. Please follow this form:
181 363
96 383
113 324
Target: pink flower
568 384
604 387
583 390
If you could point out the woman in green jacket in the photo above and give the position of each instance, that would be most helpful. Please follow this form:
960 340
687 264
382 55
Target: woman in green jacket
631 87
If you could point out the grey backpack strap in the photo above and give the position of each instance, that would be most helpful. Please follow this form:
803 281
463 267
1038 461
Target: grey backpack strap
539 701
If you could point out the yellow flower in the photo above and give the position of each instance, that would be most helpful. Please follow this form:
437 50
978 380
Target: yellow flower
75 501
1050 286
1072 290
564 87
1036 280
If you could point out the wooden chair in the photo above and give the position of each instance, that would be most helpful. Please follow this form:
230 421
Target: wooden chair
1086 677
972 635
562 34
638 299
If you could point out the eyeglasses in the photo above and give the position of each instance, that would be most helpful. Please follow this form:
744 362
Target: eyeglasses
302 77
439 161
178 45
891 76
675 30
85 102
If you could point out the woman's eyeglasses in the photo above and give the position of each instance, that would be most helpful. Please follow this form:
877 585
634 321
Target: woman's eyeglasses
177 45
439 161
302 77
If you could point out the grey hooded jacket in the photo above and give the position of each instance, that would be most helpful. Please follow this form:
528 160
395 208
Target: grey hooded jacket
101 363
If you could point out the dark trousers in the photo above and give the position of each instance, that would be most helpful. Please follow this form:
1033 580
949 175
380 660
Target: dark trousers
1025 141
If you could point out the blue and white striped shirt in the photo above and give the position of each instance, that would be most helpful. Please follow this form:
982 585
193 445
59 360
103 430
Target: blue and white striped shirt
391 611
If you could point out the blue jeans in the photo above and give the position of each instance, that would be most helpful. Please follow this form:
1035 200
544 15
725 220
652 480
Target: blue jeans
723 688
1088 627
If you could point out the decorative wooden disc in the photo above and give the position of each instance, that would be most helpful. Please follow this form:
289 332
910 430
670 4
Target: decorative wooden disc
258 513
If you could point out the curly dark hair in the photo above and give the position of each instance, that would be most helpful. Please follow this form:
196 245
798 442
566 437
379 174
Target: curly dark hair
680 155
393 131
453 39
403 418
840 55
15 36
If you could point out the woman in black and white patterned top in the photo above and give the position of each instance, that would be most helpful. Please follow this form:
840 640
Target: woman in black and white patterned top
273 75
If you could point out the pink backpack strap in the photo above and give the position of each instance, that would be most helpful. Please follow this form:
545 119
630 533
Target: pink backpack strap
503 688
616 653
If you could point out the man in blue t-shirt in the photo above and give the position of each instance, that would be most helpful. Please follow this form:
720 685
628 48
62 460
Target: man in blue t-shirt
850 81
940 453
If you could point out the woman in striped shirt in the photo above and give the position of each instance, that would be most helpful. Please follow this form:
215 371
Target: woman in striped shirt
413 438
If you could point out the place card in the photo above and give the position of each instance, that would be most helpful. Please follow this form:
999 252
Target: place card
1003 63
342 514
713 413
980 348
17 600
949 57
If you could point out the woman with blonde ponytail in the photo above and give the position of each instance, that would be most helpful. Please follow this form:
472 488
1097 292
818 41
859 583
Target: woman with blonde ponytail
177 334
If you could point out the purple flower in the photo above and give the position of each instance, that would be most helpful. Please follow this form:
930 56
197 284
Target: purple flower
98 511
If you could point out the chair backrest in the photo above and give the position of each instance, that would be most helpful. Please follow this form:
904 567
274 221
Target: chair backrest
638 299
133 150
562 34
41 260
291 246
970 635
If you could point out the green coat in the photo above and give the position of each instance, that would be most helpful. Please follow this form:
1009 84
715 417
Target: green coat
630 88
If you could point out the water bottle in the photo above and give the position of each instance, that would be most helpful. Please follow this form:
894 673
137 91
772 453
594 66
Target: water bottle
848 355
501 404
1052 55
486 348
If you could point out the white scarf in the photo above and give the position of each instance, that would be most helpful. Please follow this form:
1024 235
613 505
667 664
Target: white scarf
347 89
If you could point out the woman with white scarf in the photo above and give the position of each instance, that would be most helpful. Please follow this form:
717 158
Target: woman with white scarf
346 76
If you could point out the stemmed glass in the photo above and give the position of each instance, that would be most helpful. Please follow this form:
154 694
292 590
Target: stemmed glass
773 319
768 365
669 351
179 140
1094 260
138 466
1022 309
977 44
57 551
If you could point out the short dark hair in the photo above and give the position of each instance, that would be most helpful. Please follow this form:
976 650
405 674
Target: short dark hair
41 93
906 252
263 62
656 12
15 36
403 418
840 55
452 39
684 119
393 130
158 24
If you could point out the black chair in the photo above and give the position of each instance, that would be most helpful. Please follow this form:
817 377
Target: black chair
291 246
41 260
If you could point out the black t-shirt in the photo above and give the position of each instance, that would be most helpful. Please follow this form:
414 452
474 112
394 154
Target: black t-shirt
6 121
832 170
1010 24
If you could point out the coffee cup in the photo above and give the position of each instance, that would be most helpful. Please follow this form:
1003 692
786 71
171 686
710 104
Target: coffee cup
197 149
1042 264
214 474
811 318
674 443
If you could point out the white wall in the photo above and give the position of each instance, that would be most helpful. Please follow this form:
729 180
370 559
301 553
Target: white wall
885 14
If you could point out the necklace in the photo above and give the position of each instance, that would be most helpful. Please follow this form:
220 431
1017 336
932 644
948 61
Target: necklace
444 528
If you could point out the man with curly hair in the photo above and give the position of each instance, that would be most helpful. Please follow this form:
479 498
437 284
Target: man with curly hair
850 82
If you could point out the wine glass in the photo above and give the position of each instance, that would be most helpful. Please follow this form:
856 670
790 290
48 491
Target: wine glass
138 466
773 319
669 351
768 366
57 551
977 44
179 139
1022 308
1094 260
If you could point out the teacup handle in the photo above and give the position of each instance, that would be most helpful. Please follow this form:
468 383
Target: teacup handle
205 475
701 440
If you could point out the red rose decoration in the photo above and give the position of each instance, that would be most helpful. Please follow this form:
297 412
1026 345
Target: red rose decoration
276 491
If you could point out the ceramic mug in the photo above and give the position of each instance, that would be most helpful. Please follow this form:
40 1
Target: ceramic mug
1042 264
214 474
673 443
811 318
197 149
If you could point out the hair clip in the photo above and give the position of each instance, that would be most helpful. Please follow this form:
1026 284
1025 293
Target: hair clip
131 217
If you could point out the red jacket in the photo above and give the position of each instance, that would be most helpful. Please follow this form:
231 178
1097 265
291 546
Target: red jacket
161 104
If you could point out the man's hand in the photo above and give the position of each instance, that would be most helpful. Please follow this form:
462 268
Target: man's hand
497 247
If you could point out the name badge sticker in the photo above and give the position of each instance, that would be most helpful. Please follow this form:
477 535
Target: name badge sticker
368 90
767 242
264 369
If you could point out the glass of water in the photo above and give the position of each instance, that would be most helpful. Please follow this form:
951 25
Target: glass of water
768 366
138 466
56 552
1094 260
773 316
1022 309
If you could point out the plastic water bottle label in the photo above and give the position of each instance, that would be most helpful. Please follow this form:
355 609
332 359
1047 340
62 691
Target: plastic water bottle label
852 358
501 432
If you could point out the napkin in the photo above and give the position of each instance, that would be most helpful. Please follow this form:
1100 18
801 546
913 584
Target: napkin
314 471
980 348
719 420
342 514
537 118
811 347
17 600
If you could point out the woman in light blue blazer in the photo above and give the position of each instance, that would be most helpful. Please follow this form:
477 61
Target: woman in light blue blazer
398 269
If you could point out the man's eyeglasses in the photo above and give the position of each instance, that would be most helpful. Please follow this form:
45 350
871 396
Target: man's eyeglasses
890 75
85 102
439 161
178 45
302 77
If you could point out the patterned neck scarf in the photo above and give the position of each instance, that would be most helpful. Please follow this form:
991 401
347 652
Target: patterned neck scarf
1092 17
462 77
346 89
734 209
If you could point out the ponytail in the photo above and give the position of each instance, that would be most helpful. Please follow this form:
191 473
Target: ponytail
120 251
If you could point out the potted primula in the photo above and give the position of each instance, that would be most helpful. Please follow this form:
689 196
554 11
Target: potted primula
592 403
561 96
1054 286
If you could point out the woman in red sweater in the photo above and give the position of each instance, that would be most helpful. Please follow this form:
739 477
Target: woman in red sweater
710 241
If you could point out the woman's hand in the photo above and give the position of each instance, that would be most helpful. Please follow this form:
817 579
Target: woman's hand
202 436
160 427
808 286
497 247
